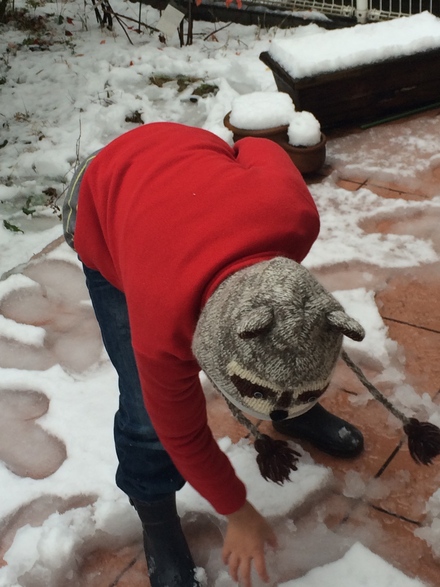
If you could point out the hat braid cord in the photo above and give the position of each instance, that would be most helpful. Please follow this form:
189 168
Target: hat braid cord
373 390
275 458
423 437
239 416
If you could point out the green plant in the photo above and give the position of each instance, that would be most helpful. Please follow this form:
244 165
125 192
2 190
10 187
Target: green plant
28 208
183 82
11 227
47 198
205 89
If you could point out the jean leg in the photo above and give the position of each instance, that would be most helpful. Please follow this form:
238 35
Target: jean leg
145 471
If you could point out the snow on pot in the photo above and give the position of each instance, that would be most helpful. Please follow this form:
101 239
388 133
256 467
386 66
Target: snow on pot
261 115
306 145
272 115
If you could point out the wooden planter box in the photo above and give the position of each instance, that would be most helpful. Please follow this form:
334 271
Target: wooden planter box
364 93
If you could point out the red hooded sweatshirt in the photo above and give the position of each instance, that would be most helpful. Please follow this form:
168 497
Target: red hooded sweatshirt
165 213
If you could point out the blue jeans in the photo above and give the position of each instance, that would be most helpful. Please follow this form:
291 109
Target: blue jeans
145 471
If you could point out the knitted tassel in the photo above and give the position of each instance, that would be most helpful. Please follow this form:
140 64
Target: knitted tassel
276 460
423 441
423 437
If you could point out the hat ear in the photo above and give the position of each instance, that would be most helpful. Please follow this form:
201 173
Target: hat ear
341 321
255 322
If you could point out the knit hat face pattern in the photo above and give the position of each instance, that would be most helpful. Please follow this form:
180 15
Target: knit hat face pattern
265 400
269 338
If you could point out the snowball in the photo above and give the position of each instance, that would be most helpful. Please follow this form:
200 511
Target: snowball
304 130
261 110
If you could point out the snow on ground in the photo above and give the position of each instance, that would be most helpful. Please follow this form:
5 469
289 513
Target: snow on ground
369 569
56 386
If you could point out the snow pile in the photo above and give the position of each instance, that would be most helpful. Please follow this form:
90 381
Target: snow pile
261 110
304 130
47 555
358 567
314 51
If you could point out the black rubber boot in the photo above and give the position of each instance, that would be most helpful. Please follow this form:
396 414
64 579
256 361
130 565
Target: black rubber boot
323 430
169 560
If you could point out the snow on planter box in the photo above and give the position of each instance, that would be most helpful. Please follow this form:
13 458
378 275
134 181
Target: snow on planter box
362 73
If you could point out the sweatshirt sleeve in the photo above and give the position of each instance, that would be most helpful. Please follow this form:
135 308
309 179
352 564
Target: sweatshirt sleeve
177 407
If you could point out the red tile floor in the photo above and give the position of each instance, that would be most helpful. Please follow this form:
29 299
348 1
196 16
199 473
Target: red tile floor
408 303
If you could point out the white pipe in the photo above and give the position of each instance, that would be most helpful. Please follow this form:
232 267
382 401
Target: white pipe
361 11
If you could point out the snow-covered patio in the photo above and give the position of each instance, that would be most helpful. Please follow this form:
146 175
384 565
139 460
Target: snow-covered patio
63 521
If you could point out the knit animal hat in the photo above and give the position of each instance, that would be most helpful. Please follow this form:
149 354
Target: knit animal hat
268 339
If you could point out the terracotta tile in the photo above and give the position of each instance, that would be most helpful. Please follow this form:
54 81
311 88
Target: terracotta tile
413 298
123 567
331 510
422 350
435 172
409 484
353 275
127 567
395 191
421 223
348 184
383 142
359 178
394 541
136 575
409 308
222 422
311 538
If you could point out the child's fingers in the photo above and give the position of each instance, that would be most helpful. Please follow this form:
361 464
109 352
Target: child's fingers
233 563
245 572
260 567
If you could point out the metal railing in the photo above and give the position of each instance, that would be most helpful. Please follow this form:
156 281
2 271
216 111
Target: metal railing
385 9
362 10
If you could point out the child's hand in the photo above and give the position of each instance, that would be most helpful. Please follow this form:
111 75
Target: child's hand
246 536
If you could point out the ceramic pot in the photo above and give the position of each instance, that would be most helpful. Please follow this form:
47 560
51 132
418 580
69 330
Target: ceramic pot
276 133
307 159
